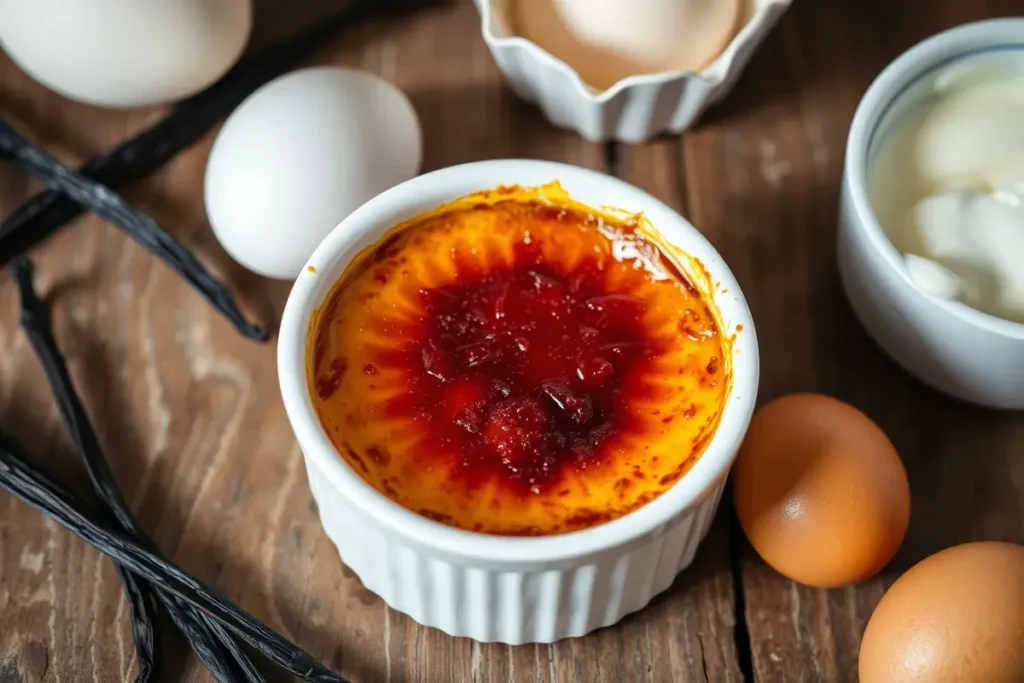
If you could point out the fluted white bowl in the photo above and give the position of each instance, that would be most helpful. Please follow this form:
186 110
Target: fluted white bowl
498 588
636 108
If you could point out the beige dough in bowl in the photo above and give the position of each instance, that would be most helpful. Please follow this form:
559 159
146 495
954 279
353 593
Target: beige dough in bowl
605 41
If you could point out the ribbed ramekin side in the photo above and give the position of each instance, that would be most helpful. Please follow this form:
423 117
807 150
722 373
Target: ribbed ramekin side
634 114
510 604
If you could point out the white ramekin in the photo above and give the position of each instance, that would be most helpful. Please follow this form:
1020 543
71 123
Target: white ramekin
954 348
498 588
636 108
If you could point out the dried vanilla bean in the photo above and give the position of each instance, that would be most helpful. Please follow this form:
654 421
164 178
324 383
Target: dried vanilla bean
28 483
136 223
138 593
216 648
39 216
140 614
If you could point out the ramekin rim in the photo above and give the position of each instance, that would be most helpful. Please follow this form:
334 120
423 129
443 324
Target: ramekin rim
885 90
709 469
713 75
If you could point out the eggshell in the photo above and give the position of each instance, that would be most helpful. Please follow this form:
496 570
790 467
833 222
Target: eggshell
124 53
820 491
955 617
298 156
605 41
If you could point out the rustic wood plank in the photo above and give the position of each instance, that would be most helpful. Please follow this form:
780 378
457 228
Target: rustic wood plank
762 179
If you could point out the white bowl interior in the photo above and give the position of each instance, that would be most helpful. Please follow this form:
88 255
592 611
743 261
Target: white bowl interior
920 92
368 224
498 30
895 95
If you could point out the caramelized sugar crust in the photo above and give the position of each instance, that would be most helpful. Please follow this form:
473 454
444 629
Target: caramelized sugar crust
511 367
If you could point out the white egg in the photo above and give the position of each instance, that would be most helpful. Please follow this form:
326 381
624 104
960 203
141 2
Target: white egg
298 156
125 53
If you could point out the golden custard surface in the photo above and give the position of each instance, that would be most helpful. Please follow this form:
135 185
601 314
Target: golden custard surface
509 366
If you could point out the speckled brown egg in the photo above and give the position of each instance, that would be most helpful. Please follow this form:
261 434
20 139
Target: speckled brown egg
820 491
955 617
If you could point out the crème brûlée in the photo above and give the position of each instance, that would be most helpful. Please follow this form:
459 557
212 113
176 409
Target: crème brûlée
516 363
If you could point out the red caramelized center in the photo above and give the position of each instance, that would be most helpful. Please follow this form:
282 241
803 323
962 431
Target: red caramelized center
513 366
522 372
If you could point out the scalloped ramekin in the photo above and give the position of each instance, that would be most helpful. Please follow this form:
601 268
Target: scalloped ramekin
950 346
636 108
498 588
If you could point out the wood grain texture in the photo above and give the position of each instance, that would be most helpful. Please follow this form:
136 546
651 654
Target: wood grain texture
192 422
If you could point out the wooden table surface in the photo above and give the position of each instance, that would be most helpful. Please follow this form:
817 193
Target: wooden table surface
191 416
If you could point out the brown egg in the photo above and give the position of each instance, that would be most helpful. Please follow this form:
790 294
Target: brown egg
820 491
955 617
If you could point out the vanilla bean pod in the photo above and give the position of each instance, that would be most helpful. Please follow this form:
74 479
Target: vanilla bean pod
138 593
39 216
140 614
21 478
103 202
217 649
218 659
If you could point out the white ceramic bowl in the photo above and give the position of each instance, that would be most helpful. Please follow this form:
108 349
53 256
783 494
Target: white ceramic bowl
499 588
948 345
635 108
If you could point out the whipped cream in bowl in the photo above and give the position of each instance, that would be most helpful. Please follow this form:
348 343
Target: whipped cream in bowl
948 185
931 227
